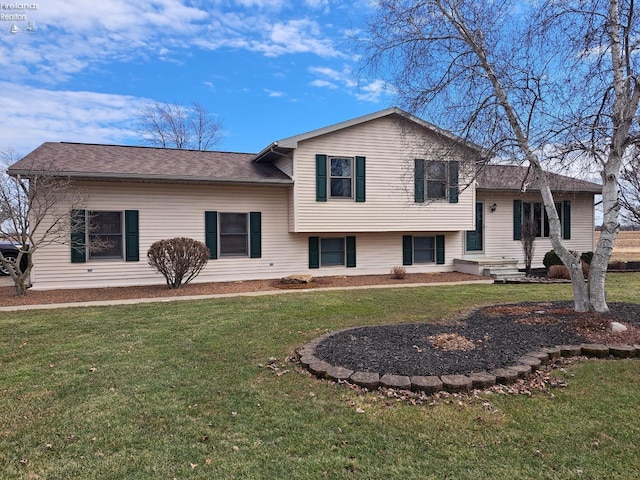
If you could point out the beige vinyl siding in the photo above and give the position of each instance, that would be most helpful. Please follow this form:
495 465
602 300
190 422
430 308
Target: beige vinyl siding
498 228
171 210
285 164
377 253
390 152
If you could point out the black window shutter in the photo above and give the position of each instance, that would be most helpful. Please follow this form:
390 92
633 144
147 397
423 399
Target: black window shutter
360 179
566 220
211 233
78 236
255 234
351 252
440 249
419 180
314 252
407 250
517 219
453 181
131 236
321 178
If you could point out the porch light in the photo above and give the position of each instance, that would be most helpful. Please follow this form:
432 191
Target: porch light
494 207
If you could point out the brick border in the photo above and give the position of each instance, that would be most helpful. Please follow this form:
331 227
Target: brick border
521 368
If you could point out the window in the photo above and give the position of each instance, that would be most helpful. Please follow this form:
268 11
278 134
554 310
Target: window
424 249
233 234
331 251
535 212
532 212
341 177
105 234
336 251
436 180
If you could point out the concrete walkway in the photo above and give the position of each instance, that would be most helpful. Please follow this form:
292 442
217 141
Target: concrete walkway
134 301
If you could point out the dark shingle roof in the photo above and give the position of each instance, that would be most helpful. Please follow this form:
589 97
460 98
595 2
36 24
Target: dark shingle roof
511 177
115 162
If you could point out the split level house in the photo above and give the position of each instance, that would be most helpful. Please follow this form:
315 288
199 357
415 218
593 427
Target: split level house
358 197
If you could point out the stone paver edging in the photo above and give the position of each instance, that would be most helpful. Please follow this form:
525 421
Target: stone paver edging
521 368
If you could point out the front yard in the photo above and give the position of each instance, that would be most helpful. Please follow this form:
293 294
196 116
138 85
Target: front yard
205 389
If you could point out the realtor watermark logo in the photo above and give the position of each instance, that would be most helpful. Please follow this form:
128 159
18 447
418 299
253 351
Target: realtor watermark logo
19 16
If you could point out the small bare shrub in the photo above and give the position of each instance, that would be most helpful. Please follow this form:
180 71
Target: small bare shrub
585 268
179 260
618 265
558 271
398 272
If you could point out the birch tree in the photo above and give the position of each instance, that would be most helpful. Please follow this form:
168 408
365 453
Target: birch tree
518 77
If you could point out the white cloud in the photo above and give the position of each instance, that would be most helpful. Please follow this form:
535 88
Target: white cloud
324 84
31 116
329 72
295 36
373 91
273 4
331 78
274 93
74 35
317 4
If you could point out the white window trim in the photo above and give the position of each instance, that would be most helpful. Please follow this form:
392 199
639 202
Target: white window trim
350 177
221 234
88 222
344 252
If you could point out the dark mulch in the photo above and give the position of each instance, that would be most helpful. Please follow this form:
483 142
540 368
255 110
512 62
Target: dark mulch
497 336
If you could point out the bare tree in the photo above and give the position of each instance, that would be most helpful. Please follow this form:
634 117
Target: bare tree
507 76
171 125
530 230
34 210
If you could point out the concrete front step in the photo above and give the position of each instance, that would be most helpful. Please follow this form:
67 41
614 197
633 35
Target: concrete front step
502 273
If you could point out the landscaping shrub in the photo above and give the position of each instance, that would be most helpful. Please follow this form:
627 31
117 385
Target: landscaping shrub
585 267
587 257
618 265
551 258
398 272
558 271
179 260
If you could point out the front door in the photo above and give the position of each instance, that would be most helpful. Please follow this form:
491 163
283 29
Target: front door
474 237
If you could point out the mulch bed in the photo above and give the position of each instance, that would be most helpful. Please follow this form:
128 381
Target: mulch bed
44 297
485 339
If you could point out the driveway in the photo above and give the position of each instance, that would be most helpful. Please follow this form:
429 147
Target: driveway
6 281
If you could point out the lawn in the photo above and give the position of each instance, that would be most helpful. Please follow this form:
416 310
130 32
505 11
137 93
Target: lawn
183 390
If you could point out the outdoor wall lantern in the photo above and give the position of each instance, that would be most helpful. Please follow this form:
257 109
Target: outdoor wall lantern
493 207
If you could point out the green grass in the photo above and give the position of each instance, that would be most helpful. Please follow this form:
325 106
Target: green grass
181 390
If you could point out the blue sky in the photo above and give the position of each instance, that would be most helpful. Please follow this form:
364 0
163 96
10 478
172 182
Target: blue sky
268 69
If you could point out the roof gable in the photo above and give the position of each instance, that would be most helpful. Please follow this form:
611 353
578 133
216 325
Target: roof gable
286 145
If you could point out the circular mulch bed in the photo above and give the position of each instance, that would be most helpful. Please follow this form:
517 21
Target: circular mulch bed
485 339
